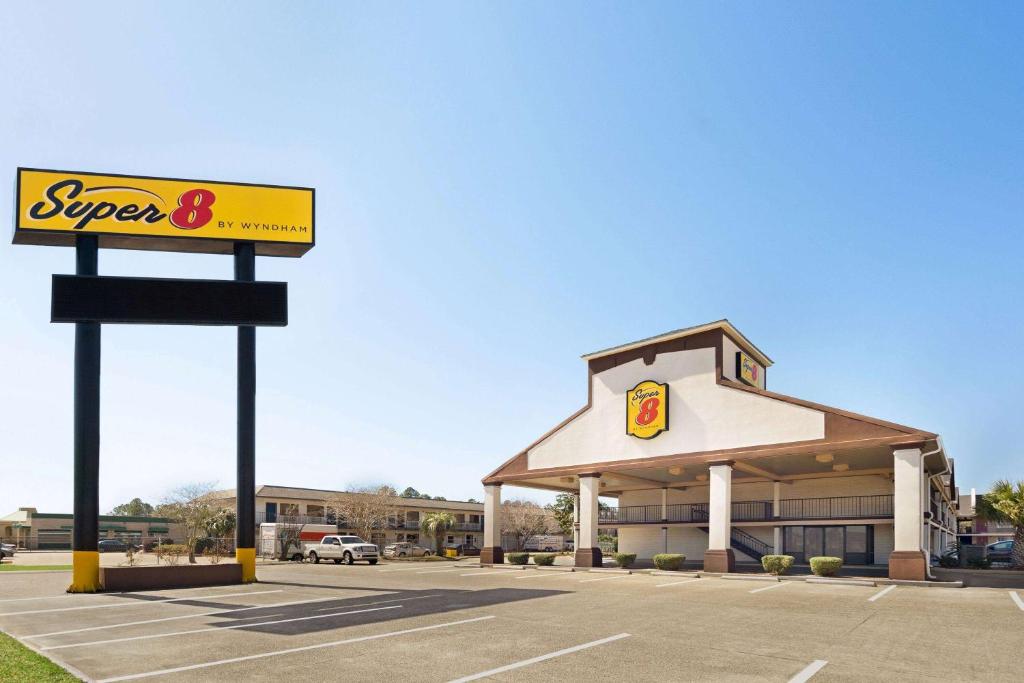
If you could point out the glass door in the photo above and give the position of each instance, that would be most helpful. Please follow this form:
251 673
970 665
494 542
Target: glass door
835 541
814 541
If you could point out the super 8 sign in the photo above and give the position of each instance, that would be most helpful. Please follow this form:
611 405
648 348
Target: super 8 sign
162 214
647 410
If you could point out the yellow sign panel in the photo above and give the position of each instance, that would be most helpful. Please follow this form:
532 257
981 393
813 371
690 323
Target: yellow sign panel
748 370
647 409
162 214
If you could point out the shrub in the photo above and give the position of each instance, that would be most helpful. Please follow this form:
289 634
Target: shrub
171 553
517 558
777 564
669 562
625 559
979 562
949 561
825 566
544 559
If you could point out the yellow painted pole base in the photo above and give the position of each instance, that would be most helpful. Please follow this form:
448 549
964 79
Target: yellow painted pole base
247 558
85 571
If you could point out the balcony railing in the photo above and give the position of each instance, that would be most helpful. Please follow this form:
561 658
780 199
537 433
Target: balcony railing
845 507
393 524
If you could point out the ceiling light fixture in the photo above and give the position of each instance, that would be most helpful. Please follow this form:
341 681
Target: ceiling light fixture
675 471
702 477
840 467
823 457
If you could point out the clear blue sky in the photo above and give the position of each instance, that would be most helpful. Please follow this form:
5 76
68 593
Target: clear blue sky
503 187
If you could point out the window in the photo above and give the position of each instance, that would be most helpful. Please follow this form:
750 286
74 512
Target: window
460 519
412 538
412 516
351 539
474 519
331 541
315 510
289 509
451 539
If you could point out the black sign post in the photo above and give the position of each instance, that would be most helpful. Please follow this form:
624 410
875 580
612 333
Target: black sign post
245 489
85 532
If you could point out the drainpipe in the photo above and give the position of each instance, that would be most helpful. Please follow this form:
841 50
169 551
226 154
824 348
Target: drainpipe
926 531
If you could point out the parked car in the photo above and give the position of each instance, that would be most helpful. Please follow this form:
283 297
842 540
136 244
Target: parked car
6 550
347 549
406 550
999 551
114 545
465 549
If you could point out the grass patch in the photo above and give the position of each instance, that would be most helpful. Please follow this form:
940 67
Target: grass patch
18 664
32 568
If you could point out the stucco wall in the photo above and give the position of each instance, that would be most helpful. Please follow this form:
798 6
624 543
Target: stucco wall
704 416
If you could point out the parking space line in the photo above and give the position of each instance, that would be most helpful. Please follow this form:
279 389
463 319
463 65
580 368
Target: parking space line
306 648
780 584
882 592
218 612
381 602
439 571
1016 599
541 658
215 628
607 578
675 583
808 671
139 603
407 569
491 572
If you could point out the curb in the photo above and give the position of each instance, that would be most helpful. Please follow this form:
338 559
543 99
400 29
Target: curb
749 577
602 570
661 572
564 570
841 582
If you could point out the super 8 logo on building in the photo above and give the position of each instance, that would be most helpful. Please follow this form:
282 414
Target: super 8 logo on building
647 409
56 203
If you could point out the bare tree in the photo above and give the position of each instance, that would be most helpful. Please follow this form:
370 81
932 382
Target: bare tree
366 510
522 519
189 507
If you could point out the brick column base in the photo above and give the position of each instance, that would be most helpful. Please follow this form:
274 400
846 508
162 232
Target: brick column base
589 557
908 565
719 560
493 555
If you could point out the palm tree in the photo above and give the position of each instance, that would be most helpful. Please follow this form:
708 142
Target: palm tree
1005 503
435 524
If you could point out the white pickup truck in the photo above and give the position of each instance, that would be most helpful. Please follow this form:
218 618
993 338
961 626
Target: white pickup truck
347 549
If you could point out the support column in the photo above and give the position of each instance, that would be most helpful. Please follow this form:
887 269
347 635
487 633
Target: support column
907 560
245 481
719 556
492 552
590 554
575 522
777 512
85 558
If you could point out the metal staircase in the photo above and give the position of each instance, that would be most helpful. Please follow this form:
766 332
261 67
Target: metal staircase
747 544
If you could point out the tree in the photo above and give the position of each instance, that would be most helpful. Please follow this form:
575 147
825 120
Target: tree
436 524
1005 504
133 508
366 510
440 498
189 507
410 492
522 519
562 509
222 525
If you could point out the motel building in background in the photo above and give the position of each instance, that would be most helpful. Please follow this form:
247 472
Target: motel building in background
705 461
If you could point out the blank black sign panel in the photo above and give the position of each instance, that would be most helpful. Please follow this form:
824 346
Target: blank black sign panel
164 301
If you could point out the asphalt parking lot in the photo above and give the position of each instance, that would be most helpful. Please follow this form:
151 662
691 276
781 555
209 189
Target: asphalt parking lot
458 622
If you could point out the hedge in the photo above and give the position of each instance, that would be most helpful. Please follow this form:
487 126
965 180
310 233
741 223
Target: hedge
826 566
544 559
777 564
517 558
669 561
624 559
